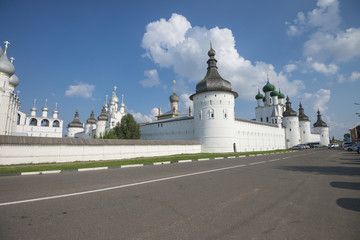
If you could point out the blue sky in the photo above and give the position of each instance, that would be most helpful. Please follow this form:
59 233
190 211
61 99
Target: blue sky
75 52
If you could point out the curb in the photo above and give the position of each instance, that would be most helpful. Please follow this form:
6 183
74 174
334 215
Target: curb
135 165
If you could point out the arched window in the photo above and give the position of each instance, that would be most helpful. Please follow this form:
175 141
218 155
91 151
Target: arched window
56 123
261 119
211 114
267 119
225 113
45 123
18 119
33 122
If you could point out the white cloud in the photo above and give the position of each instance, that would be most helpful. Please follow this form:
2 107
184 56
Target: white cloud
325 69
174 43
340 47
319 99
185 101
83 90
152 78
290 68
325 17
142 118
341 78
354 76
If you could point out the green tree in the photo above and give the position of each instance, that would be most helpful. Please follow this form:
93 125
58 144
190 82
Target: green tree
346 135
128 129
108 135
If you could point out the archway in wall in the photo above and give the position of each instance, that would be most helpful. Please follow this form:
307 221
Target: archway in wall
33 122
45 123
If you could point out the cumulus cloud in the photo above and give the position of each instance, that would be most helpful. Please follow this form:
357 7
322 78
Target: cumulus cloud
175 44
83 90
319 99
325 69
152 78
354 76
325 17
290 68
142 118
341 46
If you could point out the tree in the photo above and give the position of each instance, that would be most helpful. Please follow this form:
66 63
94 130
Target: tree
108 135
346 136
128 129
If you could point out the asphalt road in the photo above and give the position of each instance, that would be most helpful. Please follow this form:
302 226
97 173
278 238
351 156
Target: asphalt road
310 194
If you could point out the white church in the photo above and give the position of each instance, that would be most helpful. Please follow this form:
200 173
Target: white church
13 121
110 115
213 122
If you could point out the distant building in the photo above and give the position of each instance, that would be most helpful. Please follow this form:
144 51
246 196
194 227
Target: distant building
16 122
110 115
355 133
277 125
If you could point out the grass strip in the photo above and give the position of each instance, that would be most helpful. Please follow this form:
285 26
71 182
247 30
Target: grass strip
6 169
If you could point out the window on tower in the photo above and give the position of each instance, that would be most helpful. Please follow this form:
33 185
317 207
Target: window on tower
33 122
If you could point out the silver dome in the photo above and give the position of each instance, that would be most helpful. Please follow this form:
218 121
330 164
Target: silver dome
6 66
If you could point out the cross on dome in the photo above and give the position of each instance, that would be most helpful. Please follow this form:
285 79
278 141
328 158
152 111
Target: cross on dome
122 98
12 59
174 81
115 87
6 45
34 102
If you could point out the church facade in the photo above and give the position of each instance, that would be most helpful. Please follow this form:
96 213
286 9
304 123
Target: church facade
111 114
13 121
213 122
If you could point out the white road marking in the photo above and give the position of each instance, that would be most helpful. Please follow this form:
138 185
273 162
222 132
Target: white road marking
132 165
203 159
254 163
273 160
184 161
51 172
232 157
120 186
92 169
217 158
30 173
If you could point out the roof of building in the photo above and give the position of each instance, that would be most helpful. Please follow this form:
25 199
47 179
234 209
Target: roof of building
319 122
6 66
259 95
268 87
302 116
76 122
289 112
103 116
212 80
91 119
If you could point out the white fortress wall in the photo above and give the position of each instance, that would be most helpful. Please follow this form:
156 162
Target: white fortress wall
255 136
168 130
23 150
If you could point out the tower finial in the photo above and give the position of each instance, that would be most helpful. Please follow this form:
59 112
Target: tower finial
267 74
122 98
12 59
210 44
46 102
174 81
56 105
106 99
6 46
34 102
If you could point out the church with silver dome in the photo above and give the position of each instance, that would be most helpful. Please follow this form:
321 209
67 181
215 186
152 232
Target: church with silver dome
13 121
212 120
111 114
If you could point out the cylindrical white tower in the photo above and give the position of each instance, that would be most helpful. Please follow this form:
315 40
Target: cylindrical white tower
291 123
101 123
304 125
214 117
75 126
322 129
90 125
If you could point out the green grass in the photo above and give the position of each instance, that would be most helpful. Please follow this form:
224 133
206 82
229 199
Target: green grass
6 169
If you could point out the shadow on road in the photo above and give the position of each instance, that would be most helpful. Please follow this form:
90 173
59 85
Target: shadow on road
349 203
326 170
346 185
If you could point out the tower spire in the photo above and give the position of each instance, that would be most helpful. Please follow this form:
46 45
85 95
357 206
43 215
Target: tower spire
6 46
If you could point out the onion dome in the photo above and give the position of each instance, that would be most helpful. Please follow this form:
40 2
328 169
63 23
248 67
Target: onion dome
45 108
213 81
319 122
6 66
302 116
289 112
281 95
114 99
91 119
14 80
268 87
259 95
274 93
174 98
103 116
76 122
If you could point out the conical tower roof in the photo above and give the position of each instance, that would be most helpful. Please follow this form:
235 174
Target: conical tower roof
103 116
302 116
289 112
91 119
212 80
319 122
76 122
